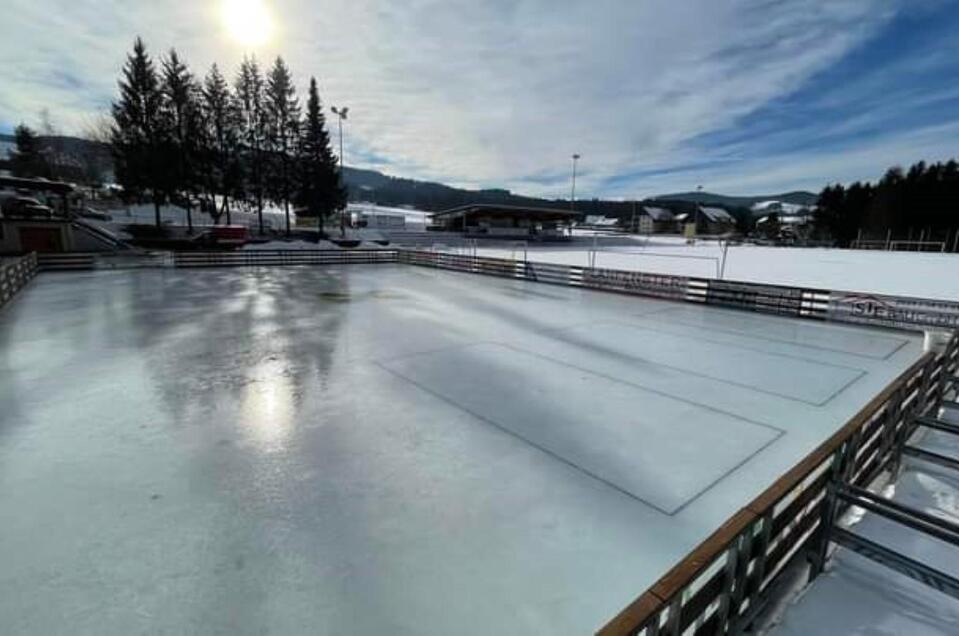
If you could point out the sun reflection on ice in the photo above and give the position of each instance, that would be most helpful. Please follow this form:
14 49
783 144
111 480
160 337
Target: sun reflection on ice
267 407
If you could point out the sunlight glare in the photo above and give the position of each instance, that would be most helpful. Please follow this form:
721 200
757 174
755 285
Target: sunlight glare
247 21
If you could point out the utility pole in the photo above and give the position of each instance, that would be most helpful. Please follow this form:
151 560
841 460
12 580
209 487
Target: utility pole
341 115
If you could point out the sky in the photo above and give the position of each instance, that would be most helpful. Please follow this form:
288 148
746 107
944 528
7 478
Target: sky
737 96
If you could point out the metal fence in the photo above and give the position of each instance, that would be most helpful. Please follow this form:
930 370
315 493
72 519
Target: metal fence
252 258
243 258
15 274
822 304
724 583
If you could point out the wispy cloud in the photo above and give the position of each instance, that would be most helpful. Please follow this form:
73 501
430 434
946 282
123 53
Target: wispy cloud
656 95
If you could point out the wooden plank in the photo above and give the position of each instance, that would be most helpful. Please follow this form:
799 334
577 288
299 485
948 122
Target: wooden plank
797 473
702 555
632 619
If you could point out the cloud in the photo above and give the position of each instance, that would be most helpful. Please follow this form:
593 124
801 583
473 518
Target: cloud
498 93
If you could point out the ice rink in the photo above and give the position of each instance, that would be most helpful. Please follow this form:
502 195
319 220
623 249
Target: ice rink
384 448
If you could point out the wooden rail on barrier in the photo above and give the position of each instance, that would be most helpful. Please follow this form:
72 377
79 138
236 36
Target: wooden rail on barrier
722 585
15 273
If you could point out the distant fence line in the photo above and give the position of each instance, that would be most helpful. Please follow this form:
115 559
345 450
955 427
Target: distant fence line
835 306
15 274
881 310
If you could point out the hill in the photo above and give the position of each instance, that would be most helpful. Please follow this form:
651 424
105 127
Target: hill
383 189
798 197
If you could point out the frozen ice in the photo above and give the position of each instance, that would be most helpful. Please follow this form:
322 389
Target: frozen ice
384 448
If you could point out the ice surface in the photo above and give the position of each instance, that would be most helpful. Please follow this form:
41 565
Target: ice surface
382 449
631 438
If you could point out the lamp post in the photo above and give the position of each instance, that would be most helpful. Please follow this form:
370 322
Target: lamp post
572 196
699 203
341 115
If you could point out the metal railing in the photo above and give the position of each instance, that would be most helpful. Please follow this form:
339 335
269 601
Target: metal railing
253 258
242 258
820 304
15 273
724 583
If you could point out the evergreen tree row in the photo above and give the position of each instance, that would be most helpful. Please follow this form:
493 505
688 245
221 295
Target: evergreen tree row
923 201
183 140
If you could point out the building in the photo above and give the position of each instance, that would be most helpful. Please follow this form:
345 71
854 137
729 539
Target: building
709 220
37 215
600 222
483 220
660 221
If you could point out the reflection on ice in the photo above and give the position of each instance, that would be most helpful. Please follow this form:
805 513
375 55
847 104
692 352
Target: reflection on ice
267 407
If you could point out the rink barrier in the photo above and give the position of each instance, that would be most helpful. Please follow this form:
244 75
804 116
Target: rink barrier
256 258
723 584
74 261
799 302
66 261
15 274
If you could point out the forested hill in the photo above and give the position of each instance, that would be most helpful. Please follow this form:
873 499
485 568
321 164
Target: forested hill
370 185
374 186
798 197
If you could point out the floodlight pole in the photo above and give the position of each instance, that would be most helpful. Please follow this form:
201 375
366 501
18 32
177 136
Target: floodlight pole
699 195
572 196
341 115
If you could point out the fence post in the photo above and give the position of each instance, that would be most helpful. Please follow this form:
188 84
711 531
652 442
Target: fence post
908 416
830 507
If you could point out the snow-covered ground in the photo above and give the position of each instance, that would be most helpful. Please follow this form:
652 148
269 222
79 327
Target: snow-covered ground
930 275
858 596
144 213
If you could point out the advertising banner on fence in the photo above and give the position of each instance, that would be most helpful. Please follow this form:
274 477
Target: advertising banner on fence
765 298
893 310
660 285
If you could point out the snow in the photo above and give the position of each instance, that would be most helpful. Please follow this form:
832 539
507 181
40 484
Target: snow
780 207
384 448
929 275
273 216
857 596
292 245
416 220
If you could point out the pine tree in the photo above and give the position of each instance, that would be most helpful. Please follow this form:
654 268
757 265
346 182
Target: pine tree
186 140
249 96
283 119
319 189
223 128
140 132
28 159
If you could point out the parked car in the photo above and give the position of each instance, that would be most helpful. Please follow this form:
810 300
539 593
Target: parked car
26 206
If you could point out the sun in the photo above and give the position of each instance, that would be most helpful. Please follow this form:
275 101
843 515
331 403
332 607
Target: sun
247 21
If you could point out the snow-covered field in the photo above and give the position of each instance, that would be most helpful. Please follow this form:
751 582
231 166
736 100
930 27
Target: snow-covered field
144 213
930 275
